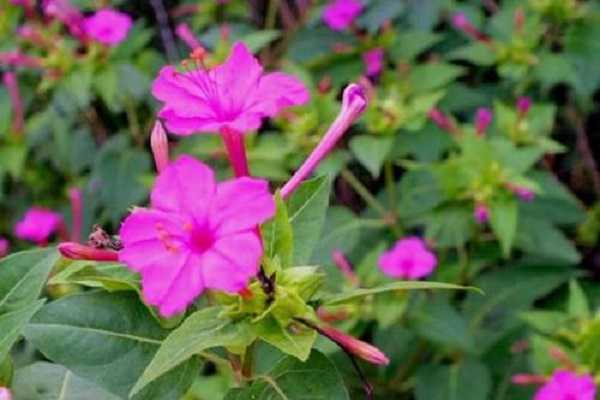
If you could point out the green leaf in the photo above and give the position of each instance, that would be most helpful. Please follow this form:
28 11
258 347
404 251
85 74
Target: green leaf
545 322
297 343
401 285
379 12
503 220
371 151
278 235
539 237
589 345
44 381
578 305
475 52
108 339
307 208
259 39
202 330
290 379
108 276
22 277
466 380
11 324
450 226
427 77
410 44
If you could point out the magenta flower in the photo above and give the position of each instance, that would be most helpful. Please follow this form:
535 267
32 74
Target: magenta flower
108 26
481 213
38 225
184 33
354 103
567 385
373 60
4 247
236 95
523 105
340 14
483 118
408 259
197 235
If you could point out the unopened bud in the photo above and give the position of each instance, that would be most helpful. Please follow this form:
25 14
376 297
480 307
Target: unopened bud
528 379
441 120
481 213
76 251
483 118
160 146
344 266
356 347
523 105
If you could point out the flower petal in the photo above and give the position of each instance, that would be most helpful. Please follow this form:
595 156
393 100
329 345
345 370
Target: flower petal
241 204
277 91
237 77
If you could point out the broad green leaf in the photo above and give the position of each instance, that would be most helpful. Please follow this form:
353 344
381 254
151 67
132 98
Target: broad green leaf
410 44
307 208
108 339
45 381
426 77
278 235
297 342
379 12
12 323
539 237
202 330
544 321
22 277
578 305
291 379
466 380
371 151
503 220
259 39
108 276
475 52
402 285
450 226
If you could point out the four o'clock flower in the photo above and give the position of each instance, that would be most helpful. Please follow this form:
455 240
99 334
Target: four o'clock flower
196 235
340 14
4 247
373 60
483 118
408 259
567 385
77 251
354 103
441 120
38 225
107 26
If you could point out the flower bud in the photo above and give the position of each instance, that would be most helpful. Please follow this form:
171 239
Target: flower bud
481 213
462 23
12 86
4 247
441 120
186 35
528 379
344 266
76 251
354 103
483 119
160 146
523 105
356 347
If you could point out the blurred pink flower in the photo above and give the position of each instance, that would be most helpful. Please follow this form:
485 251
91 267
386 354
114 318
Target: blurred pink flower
523 105
373 60
345 267
354 103
184 33
197 235
408 259
481 213
236 94
17 59
108 26
5 394
38 225
66 13
483 118
441 120
461 22
521 192
567 385
4 247
9 78
340 14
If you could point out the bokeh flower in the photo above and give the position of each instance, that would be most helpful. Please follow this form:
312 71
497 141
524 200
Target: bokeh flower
523 105
107 26
340 14
38 225
236 95
408 259
483 118
66 13
5 394
567 385
481 213
373 60
4 247
197 235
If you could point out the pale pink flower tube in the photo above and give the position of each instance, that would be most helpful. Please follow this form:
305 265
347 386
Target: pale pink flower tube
354 103
184 32
12 85
160 146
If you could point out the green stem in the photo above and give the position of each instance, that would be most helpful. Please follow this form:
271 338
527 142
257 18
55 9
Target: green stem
364 193
271 14
390 185
133 121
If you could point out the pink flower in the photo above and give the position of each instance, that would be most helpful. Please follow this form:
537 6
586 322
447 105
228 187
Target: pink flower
38 225
354 103
197 235
483 118
108 26
340 14
441 120
236 94
408 259
523 105
5 394
523 193
184 33
373 60
481 213
4 247
64 11
567 385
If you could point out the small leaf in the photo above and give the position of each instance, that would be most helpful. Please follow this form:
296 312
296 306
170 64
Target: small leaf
278 235
578 305
402 285
11 324
297 343
290 379
504 222
307 208
371 151
256 41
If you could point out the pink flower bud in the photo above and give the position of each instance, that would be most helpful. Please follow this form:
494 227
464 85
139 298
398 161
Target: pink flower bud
17 59
76 251
344 266
441 120
524 194
354 102
523 105
4 247
186 35
373 60
355 347
462 23
160 146
528 379
483 119
10 81
5 394
481 213
75 197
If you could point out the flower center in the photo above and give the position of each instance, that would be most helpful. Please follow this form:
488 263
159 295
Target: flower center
201 239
